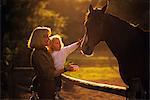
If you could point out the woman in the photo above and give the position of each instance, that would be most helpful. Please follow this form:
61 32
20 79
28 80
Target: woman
43 63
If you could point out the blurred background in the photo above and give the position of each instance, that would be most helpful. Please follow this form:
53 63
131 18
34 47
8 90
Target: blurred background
65 17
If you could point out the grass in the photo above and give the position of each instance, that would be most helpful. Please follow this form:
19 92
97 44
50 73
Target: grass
101 67
95 73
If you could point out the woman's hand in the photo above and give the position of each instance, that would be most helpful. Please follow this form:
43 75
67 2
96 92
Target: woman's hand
75 67
72 67
69 68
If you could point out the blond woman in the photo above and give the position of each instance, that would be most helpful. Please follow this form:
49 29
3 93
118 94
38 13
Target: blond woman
43 63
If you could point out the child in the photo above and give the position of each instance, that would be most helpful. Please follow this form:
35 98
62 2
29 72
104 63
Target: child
59 54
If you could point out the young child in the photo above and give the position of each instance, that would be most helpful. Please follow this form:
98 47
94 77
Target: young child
59 54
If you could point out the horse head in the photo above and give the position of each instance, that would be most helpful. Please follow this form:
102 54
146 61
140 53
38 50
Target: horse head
94 29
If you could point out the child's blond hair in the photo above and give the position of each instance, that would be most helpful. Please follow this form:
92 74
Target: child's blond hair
52 38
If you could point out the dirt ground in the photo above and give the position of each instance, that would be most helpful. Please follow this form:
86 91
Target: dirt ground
79 93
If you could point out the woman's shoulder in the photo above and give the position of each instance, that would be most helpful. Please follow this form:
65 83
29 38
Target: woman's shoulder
40 54
40 51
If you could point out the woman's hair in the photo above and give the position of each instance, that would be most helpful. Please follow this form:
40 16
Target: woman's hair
52 38
36 37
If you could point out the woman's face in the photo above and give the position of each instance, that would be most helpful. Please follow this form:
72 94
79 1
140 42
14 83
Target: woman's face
45 39
56 45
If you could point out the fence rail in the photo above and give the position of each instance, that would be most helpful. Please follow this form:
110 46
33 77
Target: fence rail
118 90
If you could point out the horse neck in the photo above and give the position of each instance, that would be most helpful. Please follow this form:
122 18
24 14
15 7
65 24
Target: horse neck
115 26
116 33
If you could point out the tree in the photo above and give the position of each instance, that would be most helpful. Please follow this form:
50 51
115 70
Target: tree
45 17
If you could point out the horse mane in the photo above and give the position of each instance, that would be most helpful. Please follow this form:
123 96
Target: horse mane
126 24
117 19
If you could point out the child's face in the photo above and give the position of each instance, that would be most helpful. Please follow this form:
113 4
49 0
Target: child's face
56 45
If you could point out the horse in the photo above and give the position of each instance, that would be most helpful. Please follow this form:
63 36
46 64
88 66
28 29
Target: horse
130 46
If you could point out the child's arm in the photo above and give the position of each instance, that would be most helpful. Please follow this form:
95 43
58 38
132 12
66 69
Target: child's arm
72 47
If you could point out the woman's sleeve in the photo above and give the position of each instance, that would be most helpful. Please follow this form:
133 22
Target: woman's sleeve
45 65
70 48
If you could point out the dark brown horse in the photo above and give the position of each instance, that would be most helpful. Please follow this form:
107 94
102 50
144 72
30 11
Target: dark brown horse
130 45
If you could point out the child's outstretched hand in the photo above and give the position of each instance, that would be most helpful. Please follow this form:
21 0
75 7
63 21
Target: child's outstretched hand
80 41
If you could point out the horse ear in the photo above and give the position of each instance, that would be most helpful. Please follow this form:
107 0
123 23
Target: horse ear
104 8
90 8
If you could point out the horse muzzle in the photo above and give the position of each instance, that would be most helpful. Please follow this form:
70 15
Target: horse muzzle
86 50
85 47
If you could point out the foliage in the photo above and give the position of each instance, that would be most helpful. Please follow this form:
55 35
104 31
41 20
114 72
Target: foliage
21 17
45 17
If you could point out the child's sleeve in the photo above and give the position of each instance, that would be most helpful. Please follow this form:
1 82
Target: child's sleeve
70 48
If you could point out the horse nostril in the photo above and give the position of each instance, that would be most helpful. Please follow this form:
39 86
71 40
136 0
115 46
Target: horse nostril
87 49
